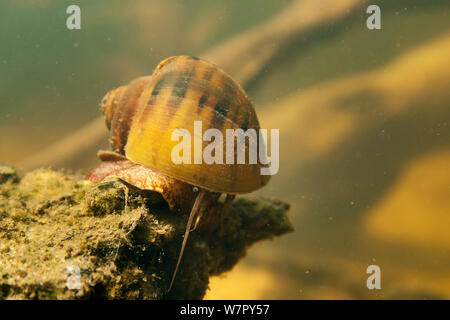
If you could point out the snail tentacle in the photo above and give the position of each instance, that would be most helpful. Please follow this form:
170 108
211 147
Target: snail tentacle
194 210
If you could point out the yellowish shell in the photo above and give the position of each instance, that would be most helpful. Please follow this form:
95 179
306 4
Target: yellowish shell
182 89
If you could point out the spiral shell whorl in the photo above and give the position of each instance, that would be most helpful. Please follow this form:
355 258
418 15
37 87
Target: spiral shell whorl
110 102
119 108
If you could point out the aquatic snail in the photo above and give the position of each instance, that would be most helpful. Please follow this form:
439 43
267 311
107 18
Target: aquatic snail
142 116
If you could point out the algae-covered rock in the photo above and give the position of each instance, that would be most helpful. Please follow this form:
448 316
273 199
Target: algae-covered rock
62 237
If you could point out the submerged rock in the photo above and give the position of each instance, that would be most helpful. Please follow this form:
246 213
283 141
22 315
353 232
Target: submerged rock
62 237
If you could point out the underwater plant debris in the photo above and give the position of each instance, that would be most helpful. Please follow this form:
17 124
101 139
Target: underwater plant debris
62 237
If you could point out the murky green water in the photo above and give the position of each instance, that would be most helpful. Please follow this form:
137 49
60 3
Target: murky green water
364 139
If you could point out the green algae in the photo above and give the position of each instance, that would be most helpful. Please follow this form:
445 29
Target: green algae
124 242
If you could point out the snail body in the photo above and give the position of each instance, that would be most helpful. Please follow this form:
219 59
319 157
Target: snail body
142 117
178 195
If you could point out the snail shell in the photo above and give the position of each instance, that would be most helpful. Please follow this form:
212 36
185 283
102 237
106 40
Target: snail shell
143 115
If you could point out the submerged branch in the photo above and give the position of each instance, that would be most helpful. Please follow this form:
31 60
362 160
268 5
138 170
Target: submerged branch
65 238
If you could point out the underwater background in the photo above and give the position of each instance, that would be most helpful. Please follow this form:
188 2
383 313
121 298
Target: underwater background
363 118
